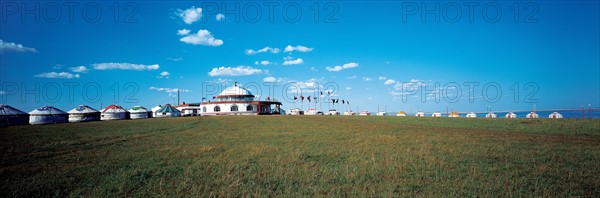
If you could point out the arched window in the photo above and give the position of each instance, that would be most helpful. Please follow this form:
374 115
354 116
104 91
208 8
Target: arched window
217 109
234 108
204 109
249 108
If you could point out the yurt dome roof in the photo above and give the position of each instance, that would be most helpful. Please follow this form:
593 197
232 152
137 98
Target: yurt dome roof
167 109
8 110
114 109
138 109
47 110
235 91
83 109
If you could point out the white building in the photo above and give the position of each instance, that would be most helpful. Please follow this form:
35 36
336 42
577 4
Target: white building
236 100
83 113
532 115
491 115
113 112
471 115
189 109
436 115
138 112
510 115
401 114
420 114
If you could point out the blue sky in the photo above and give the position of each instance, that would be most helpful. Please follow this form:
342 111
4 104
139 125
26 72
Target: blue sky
374 53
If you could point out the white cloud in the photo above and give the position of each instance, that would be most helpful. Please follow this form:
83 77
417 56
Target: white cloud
190 15
382 78
410 85
164 74
389 82
264 49
265 62
175 59
183 32
57 75
7 46
170 90
351 77
124 66
271 79
367 79
348 88
299 48
80 69
313 69
220 17
340 68
202 37
291 61
234 71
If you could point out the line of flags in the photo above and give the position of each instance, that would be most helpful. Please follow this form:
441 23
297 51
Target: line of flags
335 101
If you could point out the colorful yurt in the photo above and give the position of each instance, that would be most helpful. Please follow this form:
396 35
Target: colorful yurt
47 115
10 116
436 115
420 114
555 115
471 115
138 112
532 115
167 111
491 115
83 113
454 114
510 115
114 112
401 114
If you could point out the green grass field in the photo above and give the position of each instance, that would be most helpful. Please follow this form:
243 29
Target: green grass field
303 156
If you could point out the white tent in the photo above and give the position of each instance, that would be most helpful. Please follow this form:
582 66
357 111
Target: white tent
167 111
436 115
491 115
154 109
555 115
83 113
114 112
47 115
138 112
471 115
401 114
510 115
532 115
10 116
420 114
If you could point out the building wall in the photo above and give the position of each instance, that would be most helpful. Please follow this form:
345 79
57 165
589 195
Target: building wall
226 109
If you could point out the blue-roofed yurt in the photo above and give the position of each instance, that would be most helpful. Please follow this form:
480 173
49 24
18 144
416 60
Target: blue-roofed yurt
83 113
10 116
47 115
167 111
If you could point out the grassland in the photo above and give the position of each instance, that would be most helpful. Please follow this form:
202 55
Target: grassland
303 156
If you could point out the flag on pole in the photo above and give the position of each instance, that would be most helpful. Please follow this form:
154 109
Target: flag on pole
321 93
332 100
308 98
343 102
295 98
337 101
328 92
301 98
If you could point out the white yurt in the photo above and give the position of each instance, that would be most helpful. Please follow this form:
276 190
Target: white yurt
491 115
510 115
47 115
420 114
471 115
113 112
401 114
167 111
10 116
83 113
454 114
154 109
436 115
555 115
532 115
138 112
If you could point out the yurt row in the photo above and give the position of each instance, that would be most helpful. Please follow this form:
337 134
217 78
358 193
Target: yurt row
82 113
489 115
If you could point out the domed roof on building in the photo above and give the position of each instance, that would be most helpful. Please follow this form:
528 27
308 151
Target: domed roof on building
47 110
83 109
235 90
8 110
